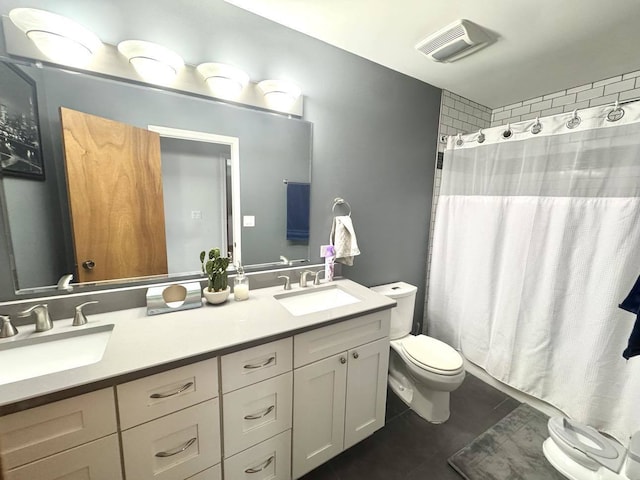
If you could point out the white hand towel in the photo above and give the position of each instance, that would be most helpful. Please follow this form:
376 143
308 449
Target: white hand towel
343 238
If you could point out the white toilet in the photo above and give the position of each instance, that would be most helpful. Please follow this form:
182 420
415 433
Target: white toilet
580 452
422 370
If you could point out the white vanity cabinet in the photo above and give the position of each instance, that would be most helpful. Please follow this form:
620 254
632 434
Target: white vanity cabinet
257 386
339 388
265 411
170 423
65 440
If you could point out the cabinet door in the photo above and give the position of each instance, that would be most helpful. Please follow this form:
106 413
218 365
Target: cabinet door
41 431
318 412
213 473
98 460
366 390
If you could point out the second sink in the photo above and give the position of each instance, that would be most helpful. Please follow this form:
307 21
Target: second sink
303 302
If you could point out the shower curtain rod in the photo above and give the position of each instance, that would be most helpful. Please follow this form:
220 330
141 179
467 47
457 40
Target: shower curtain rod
615 114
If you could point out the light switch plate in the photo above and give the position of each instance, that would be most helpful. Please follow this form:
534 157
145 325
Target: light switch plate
248 221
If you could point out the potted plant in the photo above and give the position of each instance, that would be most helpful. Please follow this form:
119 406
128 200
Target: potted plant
215 268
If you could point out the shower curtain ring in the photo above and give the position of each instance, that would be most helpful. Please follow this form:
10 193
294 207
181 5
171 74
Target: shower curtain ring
459 141
507 133
574 121
616 113
536 127
481 136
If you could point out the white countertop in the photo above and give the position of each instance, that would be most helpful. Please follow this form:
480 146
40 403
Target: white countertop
140 342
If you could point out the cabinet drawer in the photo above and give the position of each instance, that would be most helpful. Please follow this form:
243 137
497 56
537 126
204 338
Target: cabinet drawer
326 341
255 413
98 460
268 460
157 395
213 473
176 446
42 431
256 364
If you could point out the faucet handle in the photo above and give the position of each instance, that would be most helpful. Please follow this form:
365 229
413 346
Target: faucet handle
316 277
7 329
80 318
287 282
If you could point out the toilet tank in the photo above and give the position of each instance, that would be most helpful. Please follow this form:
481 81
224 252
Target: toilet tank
402 315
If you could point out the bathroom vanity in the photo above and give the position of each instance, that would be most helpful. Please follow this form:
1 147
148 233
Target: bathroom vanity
243 390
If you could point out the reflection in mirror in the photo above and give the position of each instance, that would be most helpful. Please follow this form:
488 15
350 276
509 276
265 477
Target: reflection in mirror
271 148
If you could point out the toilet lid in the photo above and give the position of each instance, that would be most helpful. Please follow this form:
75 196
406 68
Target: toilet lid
432 353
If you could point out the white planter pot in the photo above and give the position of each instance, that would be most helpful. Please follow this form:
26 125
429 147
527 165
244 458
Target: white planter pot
216 297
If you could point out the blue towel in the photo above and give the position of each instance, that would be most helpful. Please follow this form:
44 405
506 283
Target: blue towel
632 304
298 201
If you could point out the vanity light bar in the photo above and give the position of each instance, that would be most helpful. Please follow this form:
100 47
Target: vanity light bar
58 37
63 41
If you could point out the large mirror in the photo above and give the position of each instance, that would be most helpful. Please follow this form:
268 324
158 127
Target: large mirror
273 152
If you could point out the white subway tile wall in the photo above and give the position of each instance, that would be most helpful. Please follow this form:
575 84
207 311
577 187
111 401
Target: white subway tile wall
457 115
623 88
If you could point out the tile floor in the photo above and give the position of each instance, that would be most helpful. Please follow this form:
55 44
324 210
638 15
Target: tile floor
409 448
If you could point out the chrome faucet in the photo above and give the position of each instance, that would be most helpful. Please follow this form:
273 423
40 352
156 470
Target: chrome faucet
80 318
43 320
284 260
303 277
316 277
65 283
287 282
7 330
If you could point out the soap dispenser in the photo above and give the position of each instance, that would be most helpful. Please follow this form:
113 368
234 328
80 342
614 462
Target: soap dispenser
240 285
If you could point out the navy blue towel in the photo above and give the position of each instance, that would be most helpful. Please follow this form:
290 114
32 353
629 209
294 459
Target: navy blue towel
632 304
298 201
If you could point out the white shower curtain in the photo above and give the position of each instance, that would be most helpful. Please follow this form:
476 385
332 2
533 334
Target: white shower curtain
536 242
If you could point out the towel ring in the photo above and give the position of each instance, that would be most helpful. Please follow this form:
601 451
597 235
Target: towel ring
340 201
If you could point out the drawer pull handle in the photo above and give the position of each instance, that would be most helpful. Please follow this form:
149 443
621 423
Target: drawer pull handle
355 355
264 465
260 365
178 450
179 390
256 416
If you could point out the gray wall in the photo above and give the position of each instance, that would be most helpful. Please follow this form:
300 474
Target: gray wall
193 181
374 133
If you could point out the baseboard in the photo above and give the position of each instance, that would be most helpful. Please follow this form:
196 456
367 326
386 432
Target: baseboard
536 403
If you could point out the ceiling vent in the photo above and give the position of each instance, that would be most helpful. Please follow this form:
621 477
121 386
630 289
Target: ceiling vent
454 41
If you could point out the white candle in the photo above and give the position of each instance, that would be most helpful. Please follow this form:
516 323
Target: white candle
241 292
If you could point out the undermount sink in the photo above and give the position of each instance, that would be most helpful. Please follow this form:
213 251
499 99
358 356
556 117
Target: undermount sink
35 356
303 302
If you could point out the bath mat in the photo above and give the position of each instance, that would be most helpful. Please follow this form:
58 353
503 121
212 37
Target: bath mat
510 450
